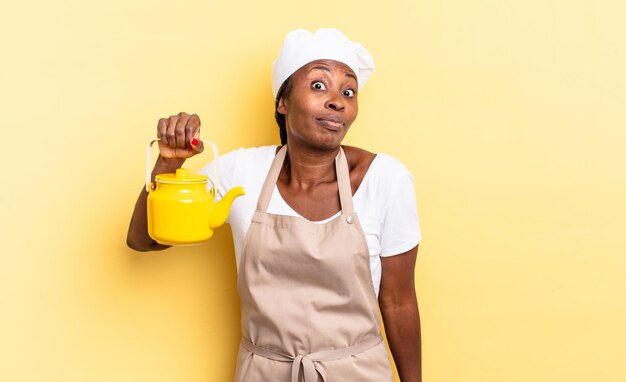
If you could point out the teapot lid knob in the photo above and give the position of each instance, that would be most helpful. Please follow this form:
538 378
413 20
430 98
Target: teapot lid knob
182 173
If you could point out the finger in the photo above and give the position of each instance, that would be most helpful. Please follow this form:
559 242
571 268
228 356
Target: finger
197 145
162 129
181 141
192 129
171 131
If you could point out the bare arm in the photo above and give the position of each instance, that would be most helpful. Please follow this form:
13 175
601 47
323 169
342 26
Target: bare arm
179 140
398 305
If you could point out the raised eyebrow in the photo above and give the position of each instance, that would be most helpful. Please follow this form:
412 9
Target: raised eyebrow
320 68
328 70
352 75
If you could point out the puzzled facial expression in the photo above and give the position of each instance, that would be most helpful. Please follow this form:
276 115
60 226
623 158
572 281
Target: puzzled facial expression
322 104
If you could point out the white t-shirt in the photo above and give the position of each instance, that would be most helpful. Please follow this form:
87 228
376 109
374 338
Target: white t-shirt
384 202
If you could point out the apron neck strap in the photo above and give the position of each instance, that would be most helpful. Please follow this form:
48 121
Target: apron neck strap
270 180
343 181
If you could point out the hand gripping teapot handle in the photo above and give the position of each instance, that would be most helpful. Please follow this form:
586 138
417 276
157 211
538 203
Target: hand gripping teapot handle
149 161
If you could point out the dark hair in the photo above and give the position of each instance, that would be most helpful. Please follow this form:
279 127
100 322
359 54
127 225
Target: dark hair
283 92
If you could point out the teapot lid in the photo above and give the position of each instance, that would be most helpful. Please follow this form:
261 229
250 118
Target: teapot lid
182 176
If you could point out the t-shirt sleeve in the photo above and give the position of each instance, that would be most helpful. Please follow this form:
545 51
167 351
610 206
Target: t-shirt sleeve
401 228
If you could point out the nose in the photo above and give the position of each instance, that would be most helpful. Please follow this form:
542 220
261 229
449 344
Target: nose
334 103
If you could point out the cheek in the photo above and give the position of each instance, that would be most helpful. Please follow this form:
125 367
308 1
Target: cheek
305 108
354 112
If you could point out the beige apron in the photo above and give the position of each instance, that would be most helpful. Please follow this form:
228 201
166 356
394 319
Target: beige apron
308 306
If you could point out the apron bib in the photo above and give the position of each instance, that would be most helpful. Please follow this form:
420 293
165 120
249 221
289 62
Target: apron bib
309 311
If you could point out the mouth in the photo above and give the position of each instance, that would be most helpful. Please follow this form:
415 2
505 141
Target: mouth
331 122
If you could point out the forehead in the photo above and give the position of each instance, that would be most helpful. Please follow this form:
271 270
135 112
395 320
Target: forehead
330 66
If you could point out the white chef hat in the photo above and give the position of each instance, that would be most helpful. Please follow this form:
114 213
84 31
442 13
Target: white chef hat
302 46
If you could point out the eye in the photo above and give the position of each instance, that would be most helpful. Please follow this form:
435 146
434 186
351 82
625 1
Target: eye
318 85
348 93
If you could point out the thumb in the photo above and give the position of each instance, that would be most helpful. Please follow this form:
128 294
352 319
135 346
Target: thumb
197 145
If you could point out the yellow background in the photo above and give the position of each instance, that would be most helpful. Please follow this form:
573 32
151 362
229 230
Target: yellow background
510 114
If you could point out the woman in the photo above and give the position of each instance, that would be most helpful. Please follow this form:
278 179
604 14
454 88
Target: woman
311 272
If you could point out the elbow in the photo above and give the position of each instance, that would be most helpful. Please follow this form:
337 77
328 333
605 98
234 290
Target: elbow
137 245
132 245
399 301
148 245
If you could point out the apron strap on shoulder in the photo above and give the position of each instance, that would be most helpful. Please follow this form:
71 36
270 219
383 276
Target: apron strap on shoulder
343 182
270 180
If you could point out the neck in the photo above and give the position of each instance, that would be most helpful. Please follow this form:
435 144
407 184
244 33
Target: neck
305 167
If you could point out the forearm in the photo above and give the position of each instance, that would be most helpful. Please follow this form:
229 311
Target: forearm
402 327
138 237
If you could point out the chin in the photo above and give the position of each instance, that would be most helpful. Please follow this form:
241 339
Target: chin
321 142
327 143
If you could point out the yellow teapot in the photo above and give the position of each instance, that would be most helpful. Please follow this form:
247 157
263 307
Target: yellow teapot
180 209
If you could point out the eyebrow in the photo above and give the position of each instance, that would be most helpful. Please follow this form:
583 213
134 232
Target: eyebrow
328 70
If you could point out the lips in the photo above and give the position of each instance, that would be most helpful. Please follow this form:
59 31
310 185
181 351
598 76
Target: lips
331 122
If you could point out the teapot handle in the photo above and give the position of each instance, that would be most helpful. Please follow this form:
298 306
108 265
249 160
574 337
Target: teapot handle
149 161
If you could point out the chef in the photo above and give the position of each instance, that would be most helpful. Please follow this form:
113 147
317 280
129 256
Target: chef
327 234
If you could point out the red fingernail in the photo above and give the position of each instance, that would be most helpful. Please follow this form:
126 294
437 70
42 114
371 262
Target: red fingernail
194 142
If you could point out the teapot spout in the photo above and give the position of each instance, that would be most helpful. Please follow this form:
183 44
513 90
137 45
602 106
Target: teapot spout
219 213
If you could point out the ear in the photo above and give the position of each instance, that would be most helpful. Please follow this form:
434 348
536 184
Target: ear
282 106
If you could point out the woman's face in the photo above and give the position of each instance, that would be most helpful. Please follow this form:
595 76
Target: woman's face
322 104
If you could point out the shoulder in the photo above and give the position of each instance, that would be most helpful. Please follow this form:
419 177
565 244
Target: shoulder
379 171
390 166
358 158
391 177
359 162
380 164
